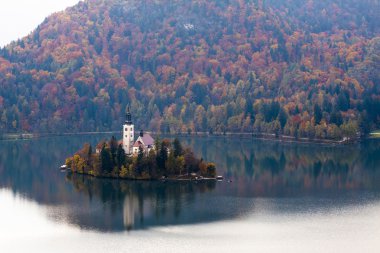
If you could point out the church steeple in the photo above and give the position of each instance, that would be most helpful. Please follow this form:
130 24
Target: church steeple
128 116
128 133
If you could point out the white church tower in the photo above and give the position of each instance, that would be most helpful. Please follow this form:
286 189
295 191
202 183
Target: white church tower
128 133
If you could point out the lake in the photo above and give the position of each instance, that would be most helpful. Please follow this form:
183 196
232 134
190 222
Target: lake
275 197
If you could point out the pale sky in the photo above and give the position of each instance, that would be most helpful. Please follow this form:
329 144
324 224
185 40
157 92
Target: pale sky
20 17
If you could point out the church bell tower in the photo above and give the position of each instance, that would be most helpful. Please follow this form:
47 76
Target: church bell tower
128 133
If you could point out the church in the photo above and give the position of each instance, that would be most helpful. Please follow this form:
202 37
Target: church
144 141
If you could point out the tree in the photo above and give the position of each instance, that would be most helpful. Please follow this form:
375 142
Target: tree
317 114
282 117
171 164
140 160
113 149
343 101
105 160
162 155
89 154
336 118
349 129
211 170
120 156
191 161
177 148
249 108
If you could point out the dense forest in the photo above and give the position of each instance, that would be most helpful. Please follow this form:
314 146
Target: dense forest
292 67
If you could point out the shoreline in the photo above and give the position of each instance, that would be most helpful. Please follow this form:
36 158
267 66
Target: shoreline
168 179
257 136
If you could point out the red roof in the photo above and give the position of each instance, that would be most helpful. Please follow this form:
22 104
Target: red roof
137 144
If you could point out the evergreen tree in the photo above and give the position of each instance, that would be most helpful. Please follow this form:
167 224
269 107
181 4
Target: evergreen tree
89 151
162 155
249 109
113 149
177 146
282 117
336 118
140 160
120 156
105 160
317 114
343 101
89 155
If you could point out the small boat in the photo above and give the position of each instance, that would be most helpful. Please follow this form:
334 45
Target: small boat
63 167
219 178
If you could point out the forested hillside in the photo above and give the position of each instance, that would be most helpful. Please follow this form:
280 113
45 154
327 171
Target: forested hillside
294 67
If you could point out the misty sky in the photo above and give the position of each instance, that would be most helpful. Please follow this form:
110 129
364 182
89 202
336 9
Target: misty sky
19 17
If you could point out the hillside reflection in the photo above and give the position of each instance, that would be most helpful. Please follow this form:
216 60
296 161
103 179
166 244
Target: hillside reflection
262 168
256 169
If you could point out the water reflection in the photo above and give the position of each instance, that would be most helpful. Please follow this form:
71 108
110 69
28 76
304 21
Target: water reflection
136 205
256 168
276 169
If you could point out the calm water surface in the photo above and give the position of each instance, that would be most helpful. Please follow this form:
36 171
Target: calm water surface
283 197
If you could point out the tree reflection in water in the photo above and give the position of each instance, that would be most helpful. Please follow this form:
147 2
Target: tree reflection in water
268 168
144 204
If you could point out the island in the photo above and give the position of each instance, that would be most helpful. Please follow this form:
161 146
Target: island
142 159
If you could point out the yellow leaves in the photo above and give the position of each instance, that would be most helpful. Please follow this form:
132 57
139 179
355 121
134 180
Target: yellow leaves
244 49
167 73
9 76
86 74
40 75
14 124
60 77
164 58
274 46
199 51
66 52
352 56
123 172
307 62
281 100
72 91
69 161
5 65
147 79
357 85
201 79
340 82
76 163
214 63
103 95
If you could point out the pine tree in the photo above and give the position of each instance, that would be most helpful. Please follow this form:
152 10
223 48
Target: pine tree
282 117
89 155
317 114
120 156
177 146
113 149
105 160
